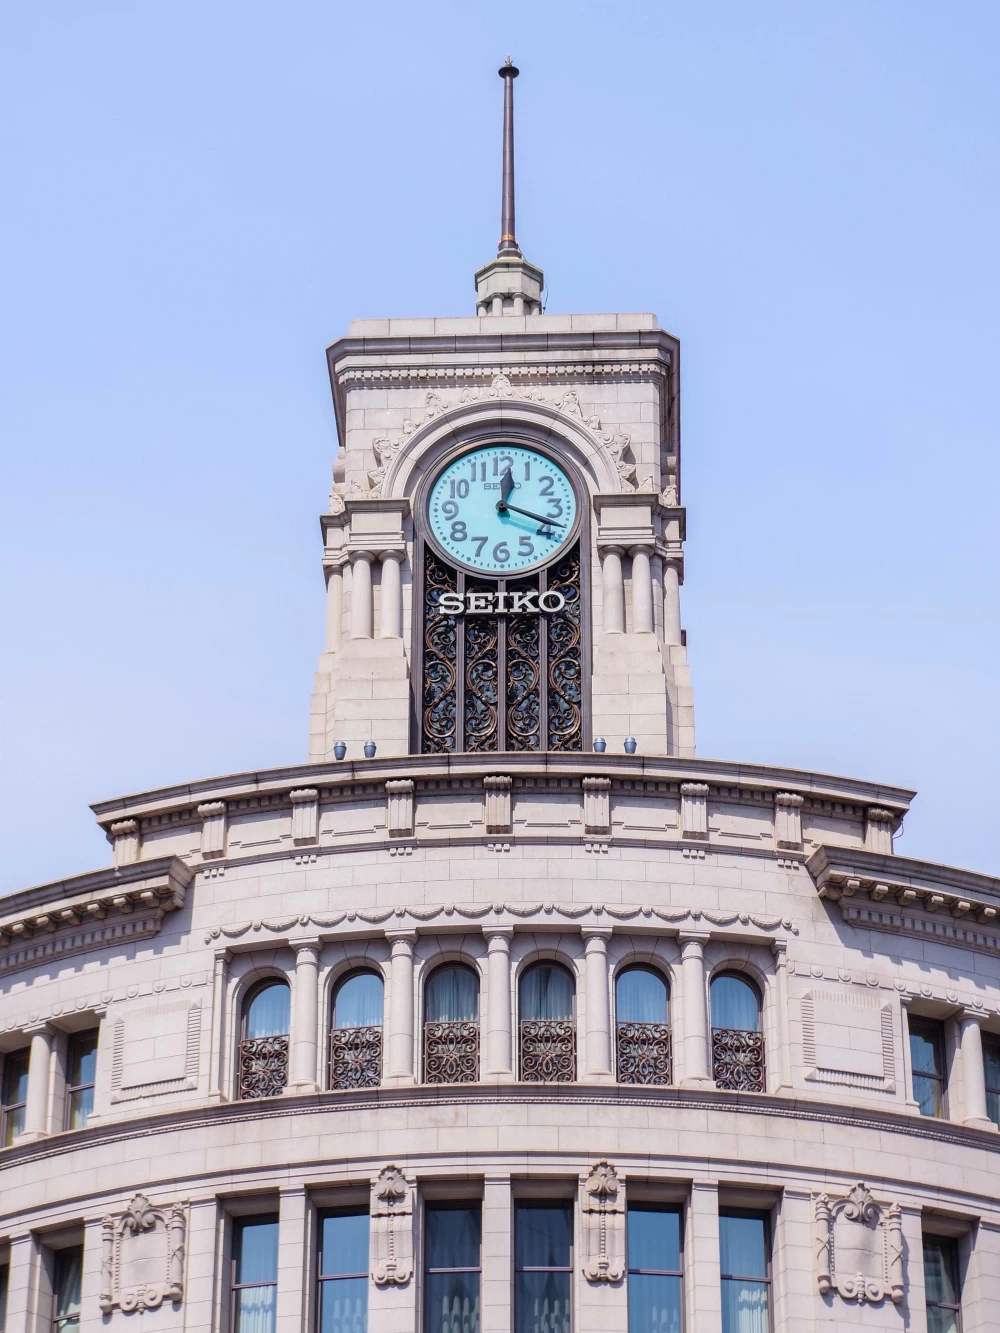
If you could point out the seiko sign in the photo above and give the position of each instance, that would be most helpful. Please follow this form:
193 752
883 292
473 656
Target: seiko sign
495 603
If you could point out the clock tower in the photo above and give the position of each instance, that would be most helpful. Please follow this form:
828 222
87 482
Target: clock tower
503 547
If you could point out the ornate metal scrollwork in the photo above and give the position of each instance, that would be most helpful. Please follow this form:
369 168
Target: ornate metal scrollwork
263 1067
738 1059
482 680
643 1053
548 1050
440 686
356 1057
524 693
451 1052
565 683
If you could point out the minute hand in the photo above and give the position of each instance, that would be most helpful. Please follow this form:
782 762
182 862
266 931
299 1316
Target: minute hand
549 522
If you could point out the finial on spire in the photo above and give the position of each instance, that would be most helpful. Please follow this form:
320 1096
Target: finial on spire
508 236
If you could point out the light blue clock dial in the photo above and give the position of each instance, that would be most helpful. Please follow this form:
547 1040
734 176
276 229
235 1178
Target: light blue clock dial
502 509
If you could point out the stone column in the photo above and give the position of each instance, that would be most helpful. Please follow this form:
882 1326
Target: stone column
499 1045
598 1045
334 608
780 950
391 613
216 1073
36 1109
293 1261
695 1007
361 594
22 1286
671 601
399 1039
305 1019
642 591
614 590
497 1236
702 1275
973 1072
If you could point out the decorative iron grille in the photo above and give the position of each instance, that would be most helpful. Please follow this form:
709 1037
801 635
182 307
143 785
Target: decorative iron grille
263 1066
644 1053
738 1059
356 1057
548 1050
451 1052
503 681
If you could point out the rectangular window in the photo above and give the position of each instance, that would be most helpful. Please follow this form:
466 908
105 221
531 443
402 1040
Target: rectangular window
4 1283
991 1060
452 1267
66 1273
927 1063
745 1263
343 1271
941 1281
543 1266
80 1068
255 1274
15 1094
654 1269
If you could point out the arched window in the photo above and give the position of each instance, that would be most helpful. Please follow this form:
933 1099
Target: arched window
548 1031
263 1068
737 1041
451 1026
642 1013
356 1033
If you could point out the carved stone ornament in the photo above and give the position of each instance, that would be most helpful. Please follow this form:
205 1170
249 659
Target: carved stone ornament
603 1225
142 1256
859 1247
392 1228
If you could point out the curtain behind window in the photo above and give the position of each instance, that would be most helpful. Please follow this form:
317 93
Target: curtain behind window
640 997
546 992
734 1004
743 1255
267 1015
359 1002
453 996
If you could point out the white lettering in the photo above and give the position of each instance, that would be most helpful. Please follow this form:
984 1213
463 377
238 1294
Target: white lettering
551 601
521 601
479 603
450 604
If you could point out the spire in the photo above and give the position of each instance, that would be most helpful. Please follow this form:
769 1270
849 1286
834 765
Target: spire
508 285
508 234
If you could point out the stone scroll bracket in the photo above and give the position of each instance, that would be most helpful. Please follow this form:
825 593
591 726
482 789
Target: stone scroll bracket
391 1228
498 803
399 800
859 1247
597 807
213 828
694 810
142 1255
788 820
305 815
602 1210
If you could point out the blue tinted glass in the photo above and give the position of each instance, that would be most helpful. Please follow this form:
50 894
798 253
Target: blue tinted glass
927 1095
359 1002
541 1302
453 1237
640 997
267 1015
993 1107
344 1244
744 1307
82 1058
15 1077
924 1051
453 996
80 1106
654 1239
546 992
451 1303
254 1309
68 1271
991 1064
343 1305
544 1235
939 1270
734 1004
257 1251
743 1247
654 1304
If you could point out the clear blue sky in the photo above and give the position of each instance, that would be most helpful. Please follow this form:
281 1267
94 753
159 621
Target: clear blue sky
200 196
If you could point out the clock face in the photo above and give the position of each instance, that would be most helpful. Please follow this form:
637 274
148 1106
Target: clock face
502 509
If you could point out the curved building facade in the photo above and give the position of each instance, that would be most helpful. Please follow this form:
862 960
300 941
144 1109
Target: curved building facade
503 1012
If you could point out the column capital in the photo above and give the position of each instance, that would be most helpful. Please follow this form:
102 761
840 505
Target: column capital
609 548
693 941
362 553
642 548
973 1015
391 553
312 944
401 937
501 933
596 935
779 948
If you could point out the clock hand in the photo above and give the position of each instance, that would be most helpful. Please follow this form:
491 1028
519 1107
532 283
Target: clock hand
502 508
506 486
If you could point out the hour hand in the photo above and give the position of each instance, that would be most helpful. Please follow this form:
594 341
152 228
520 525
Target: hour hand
506 486
549 522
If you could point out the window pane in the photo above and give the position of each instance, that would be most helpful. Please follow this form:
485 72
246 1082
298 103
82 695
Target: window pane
924 1049
939 1270
4 1280
453 996
927 1095
546 992
13 1126
654 1304
343 1305
359 1002
257 1251
82 1058
544 1235
452 1303
68 1268
993 1107
254 1309
654 1239
744 1307
991 1060
80 1106
267 1015
743 1250
640 997
734 1004
941 1321
453 1237
542 1302
344 1244
15 1077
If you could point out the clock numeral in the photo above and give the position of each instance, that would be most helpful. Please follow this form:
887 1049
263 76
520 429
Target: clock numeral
545 486
459 488
480 543
501 553
458 532
525 546
450 509
558 507
547 532
498 471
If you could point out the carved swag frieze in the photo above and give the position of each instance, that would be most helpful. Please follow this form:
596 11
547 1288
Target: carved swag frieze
859 1247
142 1256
